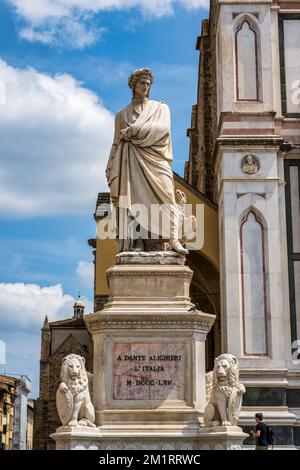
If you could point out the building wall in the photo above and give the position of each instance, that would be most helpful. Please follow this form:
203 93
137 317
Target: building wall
249 124
199 170
7 396
257 78
23 388
29 430
59 335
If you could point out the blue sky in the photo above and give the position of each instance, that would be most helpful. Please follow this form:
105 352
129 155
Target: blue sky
63 75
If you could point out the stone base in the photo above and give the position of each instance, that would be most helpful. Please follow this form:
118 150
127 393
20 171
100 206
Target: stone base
151 257
221 438
149 345
76 438
148 283
149 357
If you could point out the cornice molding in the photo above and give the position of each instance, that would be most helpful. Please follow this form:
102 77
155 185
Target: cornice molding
101 322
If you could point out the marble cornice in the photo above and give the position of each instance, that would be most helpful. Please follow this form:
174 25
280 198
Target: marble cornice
100 321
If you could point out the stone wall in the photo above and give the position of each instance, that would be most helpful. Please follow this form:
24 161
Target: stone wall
203 131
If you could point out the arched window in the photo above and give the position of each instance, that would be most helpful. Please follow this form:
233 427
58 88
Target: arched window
247 63
253 285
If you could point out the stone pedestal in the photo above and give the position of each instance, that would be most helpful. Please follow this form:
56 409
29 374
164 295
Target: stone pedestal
76 438
149 360
149 352
151 438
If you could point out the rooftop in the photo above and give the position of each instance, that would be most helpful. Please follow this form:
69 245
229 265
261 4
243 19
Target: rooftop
74 322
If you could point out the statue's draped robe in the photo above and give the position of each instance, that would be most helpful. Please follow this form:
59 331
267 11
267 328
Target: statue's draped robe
139 168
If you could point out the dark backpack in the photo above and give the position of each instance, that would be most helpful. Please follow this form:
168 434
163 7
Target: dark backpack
270 436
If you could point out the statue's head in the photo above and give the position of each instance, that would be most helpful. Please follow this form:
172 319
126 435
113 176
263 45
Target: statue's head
140 82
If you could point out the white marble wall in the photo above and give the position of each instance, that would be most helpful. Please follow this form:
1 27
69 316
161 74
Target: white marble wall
240 193
246 310
254 285
262 18
247 67
295 197
297 291
292 64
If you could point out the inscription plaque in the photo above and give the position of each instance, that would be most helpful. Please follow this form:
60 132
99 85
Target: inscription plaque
148 371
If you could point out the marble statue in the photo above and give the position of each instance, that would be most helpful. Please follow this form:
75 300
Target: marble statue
73 399
139 168
250 164
187 224
225 401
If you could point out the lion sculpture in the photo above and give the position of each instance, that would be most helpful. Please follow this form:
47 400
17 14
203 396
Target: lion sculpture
226 393
73 399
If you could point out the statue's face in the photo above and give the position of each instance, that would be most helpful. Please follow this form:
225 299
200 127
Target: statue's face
74 369
249 159
142 87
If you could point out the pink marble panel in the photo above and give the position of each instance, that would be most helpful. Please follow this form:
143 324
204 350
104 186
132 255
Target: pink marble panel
148 371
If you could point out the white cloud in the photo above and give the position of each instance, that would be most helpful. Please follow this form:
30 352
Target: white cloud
24 306
69 31
67 22
52 21
22 311
194 4
85 273
55 137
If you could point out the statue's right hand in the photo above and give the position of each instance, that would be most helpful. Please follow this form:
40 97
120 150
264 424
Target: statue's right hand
63 387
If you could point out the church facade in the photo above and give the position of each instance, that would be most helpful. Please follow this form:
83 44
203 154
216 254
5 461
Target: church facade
245 156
